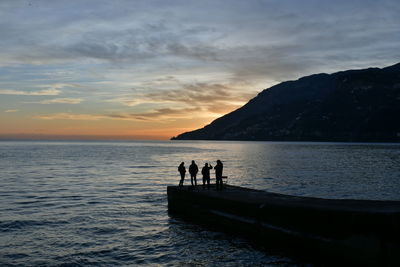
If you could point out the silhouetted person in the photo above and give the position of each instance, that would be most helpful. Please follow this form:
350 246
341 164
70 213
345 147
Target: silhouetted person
182 171
193 170
218 174
205 171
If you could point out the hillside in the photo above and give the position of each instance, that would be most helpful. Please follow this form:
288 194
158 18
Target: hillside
353 105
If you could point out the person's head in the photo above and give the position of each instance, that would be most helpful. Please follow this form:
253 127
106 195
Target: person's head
182 163
192 161
206 164
219 162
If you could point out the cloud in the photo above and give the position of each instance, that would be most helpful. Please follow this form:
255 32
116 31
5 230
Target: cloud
11 110
51 91
198 51
165 114
260 41
115 41
70 116
209 97
60 101
154 115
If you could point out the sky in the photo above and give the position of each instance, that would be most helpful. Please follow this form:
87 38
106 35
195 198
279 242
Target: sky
95 69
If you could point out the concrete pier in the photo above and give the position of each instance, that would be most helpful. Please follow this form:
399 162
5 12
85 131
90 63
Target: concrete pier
359 232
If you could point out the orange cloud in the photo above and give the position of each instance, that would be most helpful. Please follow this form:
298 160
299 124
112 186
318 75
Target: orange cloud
70 116
155 115
211 98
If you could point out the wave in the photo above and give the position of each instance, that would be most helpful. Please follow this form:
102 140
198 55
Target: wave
7 226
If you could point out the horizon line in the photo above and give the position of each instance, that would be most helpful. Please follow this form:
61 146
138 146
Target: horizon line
59 137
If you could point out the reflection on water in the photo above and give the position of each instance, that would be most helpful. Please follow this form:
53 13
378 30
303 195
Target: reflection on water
104 203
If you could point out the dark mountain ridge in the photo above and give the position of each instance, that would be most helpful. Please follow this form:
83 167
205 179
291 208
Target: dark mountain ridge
353 105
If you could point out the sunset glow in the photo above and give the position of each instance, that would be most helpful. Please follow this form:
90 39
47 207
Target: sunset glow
154 69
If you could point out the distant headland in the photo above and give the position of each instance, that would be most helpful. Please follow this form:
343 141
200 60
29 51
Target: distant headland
347 106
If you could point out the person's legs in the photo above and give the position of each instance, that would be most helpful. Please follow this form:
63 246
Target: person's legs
182 178
219 183
195 180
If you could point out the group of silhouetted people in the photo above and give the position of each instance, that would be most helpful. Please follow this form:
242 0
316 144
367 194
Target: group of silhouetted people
205 171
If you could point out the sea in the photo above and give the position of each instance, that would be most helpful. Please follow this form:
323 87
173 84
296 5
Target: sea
104 203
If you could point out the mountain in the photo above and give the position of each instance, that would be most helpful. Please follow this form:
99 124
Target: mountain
353 105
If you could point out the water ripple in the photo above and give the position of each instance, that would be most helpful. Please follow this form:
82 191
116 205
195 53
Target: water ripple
7 226
105 204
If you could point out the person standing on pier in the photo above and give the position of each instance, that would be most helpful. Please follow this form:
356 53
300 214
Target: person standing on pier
193 170
218 174
206 174
182 171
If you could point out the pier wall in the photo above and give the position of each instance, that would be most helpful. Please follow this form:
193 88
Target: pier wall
351 231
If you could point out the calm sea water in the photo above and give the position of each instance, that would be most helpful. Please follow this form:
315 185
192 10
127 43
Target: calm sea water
105 203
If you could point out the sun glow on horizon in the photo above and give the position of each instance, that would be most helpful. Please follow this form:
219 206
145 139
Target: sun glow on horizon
90 126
